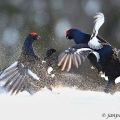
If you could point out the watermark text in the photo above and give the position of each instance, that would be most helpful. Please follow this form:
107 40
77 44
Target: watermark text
110 115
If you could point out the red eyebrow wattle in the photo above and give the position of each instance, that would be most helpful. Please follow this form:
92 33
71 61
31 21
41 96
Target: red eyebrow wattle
66 32
33 33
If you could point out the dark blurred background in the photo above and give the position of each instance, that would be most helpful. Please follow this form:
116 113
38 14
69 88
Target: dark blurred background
50 19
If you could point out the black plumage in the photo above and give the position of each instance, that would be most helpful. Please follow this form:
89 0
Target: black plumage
101 54
26 71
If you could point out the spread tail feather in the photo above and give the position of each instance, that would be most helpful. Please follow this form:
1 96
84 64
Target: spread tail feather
94 42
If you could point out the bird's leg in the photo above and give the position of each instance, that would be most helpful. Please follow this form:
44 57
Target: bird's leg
100 73
36 57
93 61
110 87
92 67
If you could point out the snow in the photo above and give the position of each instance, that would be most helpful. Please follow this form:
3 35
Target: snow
61 104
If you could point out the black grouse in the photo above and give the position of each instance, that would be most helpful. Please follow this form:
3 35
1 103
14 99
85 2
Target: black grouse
27 70
100 53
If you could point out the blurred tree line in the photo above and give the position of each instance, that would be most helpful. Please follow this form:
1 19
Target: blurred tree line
50 19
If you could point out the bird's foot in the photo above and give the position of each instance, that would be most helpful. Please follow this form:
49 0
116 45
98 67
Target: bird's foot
110 88
100 73
92 67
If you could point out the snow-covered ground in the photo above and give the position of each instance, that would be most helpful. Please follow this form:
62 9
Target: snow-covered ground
61 104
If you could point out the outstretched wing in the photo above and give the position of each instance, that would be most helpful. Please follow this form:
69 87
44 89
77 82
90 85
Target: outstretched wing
74 55
15 77
94 42
18 76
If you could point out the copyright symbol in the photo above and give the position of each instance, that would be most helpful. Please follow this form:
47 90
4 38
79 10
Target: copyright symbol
104 115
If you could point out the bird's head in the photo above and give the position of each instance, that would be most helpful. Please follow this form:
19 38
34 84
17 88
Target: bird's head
29 40
49 53
76 35
49 58
31 37
69 34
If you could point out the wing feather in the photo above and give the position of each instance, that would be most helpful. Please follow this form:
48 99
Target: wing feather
75 62
62 59
12 85
74 55
16 84
7 75
21 84
12 78
64 64
61 56
78 58
69 62
15 77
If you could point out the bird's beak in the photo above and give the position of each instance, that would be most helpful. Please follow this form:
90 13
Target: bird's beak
38 37
67 37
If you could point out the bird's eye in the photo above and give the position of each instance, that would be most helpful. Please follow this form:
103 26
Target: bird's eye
34 34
